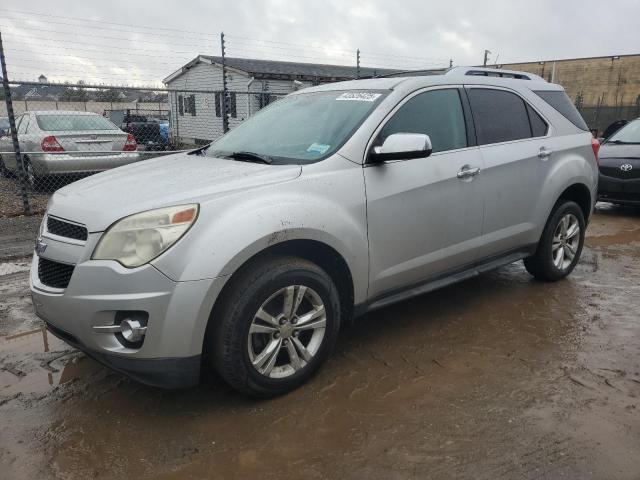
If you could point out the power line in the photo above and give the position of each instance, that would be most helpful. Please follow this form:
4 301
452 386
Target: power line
107 28
101 22
119 49
58 32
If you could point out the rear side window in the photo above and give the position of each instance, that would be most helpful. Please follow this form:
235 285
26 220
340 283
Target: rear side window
499 116
437 113
559 100
538 126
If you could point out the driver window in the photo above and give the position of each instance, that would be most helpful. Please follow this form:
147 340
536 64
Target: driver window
437 113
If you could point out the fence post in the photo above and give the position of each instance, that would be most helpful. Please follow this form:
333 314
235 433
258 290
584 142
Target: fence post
14 132
225 113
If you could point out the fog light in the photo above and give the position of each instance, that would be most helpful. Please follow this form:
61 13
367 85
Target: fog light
132 330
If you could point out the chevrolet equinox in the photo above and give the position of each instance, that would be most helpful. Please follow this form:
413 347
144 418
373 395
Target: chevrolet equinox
246 255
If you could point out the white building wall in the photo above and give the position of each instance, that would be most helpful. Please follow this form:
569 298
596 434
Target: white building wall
205 125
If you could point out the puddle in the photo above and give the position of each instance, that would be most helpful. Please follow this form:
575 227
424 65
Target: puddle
35 361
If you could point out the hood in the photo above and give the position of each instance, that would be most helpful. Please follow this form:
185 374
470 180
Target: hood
101 199
612 150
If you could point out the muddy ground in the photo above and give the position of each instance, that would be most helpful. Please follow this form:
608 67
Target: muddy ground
497 377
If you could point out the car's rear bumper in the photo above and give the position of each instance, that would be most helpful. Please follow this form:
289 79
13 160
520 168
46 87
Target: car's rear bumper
67 163
616 190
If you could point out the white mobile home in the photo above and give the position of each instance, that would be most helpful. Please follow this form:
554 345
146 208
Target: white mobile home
196 103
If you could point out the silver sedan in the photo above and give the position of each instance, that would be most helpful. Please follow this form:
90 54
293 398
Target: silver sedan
66 143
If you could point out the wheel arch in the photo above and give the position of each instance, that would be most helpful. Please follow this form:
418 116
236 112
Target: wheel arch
579 193
320 253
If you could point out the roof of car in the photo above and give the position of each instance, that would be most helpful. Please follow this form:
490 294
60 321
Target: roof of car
457 76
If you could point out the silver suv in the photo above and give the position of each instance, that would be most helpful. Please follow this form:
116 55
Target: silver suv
248 254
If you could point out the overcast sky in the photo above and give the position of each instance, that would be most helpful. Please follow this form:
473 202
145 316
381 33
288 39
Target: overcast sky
141 42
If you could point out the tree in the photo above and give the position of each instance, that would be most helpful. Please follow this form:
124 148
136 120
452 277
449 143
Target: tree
108 95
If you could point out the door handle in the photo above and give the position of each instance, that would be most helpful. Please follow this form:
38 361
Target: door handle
544 153
467 171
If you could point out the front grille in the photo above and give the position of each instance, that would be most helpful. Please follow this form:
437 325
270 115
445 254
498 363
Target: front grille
54 274
612 167
66 229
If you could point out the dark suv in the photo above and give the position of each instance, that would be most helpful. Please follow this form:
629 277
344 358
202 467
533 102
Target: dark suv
146 131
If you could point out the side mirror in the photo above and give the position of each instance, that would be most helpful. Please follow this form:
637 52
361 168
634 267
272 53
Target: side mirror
402 146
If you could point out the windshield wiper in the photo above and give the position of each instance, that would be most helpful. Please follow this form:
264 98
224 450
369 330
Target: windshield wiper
618 142
250 157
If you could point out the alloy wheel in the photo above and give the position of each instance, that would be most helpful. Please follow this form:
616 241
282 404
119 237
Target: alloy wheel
287 331
566 240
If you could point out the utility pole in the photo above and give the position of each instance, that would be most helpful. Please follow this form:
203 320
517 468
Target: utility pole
14 132
358 63
225 103
486 57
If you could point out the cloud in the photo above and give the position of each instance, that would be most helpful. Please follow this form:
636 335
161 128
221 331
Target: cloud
143 41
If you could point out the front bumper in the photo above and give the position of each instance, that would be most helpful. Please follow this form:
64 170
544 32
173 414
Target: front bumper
157 372
626 191
178 313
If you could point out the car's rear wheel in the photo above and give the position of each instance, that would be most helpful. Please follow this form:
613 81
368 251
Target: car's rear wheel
560 245
277 325
35 181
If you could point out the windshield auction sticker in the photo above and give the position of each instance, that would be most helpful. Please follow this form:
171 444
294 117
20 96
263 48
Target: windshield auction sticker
359 96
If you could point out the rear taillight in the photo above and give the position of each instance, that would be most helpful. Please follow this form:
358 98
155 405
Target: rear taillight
50 144
130 145
595 144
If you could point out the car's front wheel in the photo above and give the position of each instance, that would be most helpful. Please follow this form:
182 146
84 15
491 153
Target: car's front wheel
277 325
560 245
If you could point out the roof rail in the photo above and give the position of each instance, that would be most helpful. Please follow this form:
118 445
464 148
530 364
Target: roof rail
409 73
494 72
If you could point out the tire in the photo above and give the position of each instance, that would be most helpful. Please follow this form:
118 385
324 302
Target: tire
35 182
546 264
239 340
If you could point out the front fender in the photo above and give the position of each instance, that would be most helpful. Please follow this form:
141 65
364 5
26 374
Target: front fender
327 207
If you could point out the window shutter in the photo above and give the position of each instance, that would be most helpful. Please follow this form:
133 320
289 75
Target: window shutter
232 106
218 103
180 106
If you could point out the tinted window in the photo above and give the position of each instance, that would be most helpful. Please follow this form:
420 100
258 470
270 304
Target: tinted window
561 102
499 116
538 125
437 113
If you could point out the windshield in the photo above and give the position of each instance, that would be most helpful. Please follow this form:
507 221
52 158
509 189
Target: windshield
301 128
63 123
630 133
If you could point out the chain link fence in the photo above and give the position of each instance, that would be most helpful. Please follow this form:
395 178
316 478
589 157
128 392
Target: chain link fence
98 129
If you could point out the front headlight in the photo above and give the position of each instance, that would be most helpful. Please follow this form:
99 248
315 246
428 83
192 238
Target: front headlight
139 238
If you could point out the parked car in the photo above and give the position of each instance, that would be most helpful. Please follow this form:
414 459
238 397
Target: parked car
4 126
247 255
620 166
146 131
66 143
